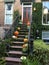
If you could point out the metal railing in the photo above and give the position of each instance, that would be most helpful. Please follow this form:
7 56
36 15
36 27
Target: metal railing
30 41
9 33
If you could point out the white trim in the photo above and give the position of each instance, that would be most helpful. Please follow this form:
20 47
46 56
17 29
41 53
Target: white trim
45 37
22 12
8 14
42 14
25 6
45 24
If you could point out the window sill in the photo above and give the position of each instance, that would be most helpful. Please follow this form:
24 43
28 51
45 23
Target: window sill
45 24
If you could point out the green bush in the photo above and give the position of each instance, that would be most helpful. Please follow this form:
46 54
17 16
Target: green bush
2 49
41 52
2 61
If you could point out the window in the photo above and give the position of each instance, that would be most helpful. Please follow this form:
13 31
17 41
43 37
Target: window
8 13
45 35
9 6
45 13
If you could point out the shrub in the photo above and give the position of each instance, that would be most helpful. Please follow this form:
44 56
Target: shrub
2 49
2 61
41 52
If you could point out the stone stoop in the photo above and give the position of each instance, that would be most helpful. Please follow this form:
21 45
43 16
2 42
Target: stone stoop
16 48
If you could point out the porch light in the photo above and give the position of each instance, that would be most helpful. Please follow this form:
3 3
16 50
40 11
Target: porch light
34 8
45 11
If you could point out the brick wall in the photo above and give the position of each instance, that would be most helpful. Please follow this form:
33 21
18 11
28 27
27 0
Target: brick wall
18 6
1 12
37 0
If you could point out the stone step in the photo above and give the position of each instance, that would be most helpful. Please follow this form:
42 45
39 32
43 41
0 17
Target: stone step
16 54
21 36
18 42
11 59
22 25
16 48
23 30
13 63
18 39
23 33
19 47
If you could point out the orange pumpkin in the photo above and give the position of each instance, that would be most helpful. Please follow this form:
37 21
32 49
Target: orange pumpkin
28 23
16 33
18 28
25 40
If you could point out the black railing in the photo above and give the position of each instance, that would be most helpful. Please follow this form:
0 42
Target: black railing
9 33
30 40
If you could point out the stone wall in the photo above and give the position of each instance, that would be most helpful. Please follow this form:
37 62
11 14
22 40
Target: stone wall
2 33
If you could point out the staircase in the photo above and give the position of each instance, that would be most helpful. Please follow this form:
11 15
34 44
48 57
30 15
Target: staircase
15 51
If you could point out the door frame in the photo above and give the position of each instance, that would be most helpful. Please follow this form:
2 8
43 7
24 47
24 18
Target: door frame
26 6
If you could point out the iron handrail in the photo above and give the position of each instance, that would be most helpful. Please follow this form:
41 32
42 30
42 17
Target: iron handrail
30 43
12 27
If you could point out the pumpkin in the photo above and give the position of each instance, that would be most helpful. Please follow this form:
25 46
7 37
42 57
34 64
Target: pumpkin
16 33
24 46
28 23
25 40
14 37
18 28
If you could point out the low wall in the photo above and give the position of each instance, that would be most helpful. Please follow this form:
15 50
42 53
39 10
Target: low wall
2 32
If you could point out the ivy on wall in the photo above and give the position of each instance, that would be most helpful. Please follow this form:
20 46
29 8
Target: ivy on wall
37 20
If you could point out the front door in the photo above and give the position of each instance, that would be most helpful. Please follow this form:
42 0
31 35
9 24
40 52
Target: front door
27 13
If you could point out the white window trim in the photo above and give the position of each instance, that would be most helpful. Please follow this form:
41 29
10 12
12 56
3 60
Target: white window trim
25 6
9 14
42 15
45 38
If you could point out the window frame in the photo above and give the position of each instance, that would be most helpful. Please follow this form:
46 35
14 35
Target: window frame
43 15
6 14
45 33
